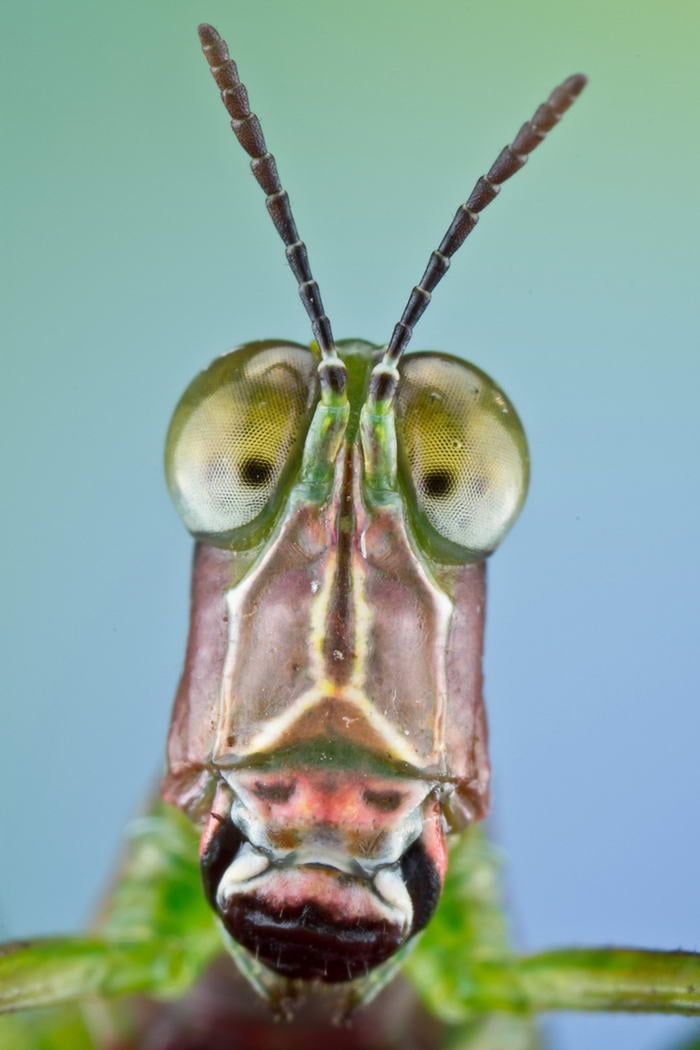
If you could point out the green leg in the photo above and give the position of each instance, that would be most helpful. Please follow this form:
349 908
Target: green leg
463 965
155 936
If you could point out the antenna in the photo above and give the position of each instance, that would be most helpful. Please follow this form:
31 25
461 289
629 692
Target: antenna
509 160
247 130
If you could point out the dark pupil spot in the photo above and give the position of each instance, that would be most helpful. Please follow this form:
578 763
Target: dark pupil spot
438 483
255 472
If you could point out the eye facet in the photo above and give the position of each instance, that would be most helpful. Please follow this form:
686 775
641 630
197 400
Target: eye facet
463 454
236 437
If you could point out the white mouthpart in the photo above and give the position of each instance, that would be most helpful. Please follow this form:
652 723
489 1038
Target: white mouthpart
390 886
248 863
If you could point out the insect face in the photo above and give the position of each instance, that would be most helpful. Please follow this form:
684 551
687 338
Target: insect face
334 672
329 724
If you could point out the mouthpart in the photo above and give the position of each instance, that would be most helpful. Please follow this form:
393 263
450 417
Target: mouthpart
313 921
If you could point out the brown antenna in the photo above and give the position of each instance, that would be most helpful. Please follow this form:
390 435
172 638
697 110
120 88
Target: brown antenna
509 160
247 130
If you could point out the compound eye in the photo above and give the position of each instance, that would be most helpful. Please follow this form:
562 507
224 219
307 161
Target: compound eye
236 437
463 454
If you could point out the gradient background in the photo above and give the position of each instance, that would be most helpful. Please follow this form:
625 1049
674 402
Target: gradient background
139 248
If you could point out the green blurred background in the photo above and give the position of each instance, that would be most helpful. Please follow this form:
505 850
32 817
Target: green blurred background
137 248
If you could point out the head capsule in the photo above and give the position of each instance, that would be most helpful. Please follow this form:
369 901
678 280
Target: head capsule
331 703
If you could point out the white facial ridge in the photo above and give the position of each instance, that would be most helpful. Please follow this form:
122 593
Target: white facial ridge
251 828
247 865
390 886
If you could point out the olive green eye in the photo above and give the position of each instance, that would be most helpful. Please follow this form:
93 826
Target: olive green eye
463 453
236 436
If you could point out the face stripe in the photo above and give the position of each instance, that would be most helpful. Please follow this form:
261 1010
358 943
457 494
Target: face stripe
343 632
339 650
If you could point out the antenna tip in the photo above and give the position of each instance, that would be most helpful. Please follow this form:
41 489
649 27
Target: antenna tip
575 84
207 34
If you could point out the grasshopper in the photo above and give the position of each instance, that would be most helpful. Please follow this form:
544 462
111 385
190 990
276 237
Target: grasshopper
329 735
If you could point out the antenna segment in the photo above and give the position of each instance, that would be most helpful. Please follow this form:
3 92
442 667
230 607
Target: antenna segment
246 127
510 159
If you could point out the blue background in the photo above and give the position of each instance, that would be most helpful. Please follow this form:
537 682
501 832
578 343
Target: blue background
139 249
